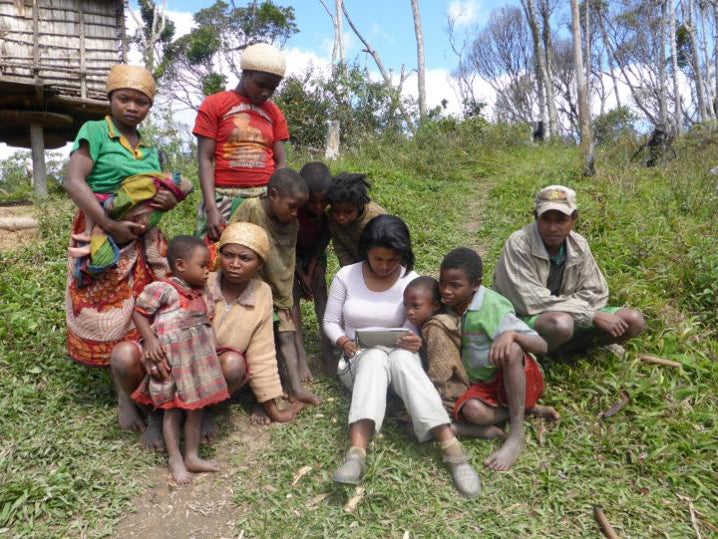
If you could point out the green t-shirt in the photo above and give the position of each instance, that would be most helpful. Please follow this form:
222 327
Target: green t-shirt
487 317
113 157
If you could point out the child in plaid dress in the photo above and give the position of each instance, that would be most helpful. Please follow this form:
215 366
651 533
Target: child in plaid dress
183 370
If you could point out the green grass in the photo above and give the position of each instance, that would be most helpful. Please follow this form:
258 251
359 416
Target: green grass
67 470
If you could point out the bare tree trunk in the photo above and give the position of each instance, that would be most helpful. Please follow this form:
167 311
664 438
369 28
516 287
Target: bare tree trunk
706 60
339 30
419 58
678 117
583 105
695 60
587 16
661 59
539 64
159 21
548 79
384 73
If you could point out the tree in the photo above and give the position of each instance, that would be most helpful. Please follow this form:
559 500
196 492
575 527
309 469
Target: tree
501 54
539 60
337 19
583 105
194 65
154 32
421 78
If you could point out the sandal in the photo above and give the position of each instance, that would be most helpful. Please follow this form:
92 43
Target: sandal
352 468
465 478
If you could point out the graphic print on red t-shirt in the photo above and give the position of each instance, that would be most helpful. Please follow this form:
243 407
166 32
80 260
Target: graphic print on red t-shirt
244 136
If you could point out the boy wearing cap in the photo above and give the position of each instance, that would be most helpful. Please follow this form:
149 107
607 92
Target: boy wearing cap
549 274
240 139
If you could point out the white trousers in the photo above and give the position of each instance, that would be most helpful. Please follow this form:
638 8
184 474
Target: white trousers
373 371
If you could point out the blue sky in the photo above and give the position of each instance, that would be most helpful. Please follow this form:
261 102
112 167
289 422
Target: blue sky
387 24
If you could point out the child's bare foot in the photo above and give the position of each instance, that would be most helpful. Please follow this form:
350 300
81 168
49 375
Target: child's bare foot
83 237
152 438
129 416
79 252
505 457
259 416
209 429
548 413
468 430
198 465
179 471
306 396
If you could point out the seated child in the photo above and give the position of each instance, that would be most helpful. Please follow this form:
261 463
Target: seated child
506 380
180 344
351 210
97 251
276 213
311 265
441 350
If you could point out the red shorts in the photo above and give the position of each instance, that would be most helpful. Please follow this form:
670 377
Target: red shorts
494 393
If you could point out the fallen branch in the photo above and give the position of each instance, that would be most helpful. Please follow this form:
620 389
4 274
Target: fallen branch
613 410
659 361
694 519
603 522
17 223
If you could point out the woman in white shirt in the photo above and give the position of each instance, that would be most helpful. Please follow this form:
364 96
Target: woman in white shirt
369 294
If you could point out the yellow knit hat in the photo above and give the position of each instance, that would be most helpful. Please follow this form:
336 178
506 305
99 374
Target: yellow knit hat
263 57
132 77
247 234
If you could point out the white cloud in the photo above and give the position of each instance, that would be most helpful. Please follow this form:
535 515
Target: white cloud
463 12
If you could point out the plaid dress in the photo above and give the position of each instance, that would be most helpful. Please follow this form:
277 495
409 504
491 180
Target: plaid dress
182 324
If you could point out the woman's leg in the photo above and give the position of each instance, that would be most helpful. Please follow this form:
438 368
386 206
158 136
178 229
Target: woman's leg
127 372
366 414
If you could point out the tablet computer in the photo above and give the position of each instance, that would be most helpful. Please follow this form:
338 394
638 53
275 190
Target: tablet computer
367 338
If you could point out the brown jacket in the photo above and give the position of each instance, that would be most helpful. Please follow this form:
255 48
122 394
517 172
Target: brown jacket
247 325
521 276
442 357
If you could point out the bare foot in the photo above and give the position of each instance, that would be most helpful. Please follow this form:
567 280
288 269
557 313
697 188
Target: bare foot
198 465
306 396
259 416
209 426
305 375
79 252
548 413
468 430
179 471
152 438
129 416
83 237
505 457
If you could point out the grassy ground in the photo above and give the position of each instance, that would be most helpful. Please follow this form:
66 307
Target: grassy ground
67 470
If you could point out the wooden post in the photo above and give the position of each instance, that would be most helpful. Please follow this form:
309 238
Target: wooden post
332 146
37 144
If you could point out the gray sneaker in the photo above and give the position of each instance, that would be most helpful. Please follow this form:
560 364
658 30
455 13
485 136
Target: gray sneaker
465 478
352 468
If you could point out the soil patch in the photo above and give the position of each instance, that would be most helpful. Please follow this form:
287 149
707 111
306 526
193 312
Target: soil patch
11 239
205 508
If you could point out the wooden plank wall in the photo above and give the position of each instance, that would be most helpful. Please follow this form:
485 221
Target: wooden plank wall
67 44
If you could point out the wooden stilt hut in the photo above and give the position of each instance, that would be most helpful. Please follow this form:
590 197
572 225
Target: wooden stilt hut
54 59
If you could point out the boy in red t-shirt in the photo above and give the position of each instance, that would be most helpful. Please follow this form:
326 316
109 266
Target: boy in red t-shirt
240 138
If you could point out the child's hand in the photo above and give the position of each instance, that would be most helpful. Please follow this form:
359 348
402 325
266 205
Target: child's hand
163 200
156 359
501 348
410 342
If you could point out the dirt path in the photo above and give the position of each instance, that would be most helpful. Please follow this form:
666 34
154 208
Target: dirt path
205 508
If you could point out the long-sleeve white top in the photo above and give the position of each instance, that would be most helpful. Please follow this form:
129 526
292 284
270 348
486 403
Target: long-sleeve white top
351 305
